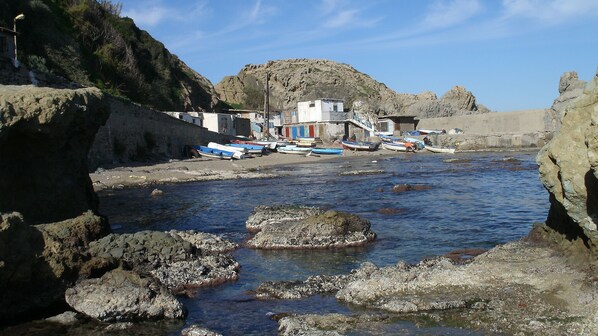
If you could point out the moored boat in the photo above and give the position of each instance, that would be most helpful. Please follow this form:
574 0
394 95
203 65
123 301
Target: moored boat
217 153
434 149
251 149
327 151
398 147
295 150
227 148
360 145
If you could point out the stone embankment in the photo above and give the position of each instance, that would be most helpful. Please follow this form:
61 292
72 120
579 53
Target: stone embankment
299 227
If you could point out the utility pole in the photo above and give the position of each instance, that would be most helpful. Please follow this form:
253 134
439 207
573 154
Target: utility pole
267 106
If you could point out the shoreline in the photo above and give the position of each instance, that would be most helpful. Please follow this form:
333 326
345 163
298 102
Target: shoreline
206 169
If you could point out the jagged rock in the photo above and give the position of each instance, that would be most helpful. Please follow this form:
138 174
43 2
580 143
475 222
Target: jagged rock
38 262
289 290
320 230
569 170
333 325
570 88
295 80
123 295
170 257
45 135
205 241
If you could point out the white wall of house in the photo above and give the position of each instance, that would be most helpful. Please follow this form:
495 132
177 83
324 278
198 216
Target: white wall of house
320 110
219 122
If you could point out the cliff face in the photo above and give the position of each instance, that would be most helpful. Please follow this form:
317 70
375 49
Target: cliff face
87 42
45 135
296 80
569 170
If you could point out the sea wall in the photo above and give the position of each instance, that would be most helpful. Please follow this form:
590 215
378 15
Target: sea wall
134 133
519 122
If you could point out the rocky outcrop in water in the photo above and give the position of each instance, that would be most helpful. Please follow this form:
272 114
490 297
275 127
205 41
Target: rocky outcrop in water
178 264
569 170
45 135
305 228
295 80
515 288
121 295
38 263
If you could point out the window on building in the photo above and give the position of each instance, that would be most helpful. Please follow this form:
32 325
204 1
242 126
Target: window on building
312 104
383 126
335 108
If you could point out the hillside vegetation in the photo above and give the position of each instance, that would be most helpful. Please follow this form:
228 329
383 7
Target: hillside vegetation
87 42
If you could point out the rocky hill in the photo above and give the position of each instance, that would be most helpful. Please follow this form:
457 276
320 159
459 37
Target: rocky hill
89 43
296 80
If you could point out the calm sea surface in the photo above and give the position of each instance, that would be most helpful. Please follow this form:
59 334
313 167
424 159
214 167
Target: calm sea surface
474 200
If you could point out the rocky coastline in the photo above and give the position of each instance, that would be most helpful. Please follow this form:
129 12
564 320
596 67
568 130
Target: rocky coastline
65 254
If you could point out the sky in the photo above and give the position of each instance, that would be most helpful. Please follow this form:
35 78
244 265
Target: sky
509 53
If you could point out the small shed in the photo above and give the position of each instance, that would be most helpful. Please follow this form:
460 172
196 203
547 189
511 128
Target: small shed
394 125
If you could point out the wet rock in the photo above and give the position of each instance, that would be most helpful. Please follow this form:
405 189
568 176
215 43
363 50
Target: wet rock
181 260
45 136
332 325
265 215
389 211
196 330
291 290
66 318
361 172
122 295
399 188
464 255
38 263
205 241
322 230
157 193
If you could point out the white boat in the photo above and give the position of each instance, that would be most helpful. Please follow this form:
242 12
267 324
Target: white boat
397 147
434 149
227 148
295 150
360 145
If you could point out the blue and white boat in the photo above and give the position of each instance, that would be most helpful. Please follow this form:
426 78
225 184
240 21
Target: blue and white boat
327 151
295 150
217 153
251 149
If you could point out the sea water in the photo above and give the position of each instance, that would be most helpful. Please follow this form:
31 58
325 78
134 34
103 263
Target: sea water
469 200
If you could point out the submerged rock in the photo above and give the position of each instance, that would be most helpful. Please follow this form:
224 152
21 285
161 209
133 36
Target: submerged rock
123 295
196 330
319 230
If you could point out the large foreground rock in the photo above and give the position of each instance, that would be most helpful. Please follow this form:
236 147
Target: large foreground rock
45 135
123 295
38 263
307 228
179 264
569 170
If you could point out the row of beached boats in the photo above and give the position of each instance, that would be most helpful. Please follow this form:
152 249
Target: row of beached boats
241 149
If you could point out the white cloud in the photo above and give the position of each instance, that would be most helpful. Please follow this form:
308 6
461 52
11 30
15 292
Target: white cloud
551 12
150 16
443 14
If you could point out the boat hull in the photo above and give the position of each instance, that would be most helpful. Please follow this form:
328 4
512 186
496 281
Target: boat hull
440 150
360 146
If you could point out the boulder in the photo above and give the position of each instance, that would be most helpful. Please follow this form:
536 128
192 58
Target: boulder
569 170
45 135
176 262
320 230
38 263
121 295
195 330
264 215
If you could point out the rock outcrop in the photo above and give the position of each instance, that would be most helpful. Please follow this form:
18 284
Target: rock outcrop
295 80
304 228
45 135
569 170
121 295
38 263
178 264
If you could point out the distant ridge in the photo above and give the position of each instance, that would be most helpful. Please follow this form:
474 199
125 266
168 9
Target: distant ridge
295 80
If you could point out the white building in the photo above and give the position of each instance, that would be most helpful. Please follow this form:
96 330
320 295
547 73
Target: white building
190 117
219 122
324 109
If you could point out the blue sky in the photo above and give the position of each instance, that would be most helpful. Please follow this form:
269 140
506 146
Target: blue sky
509 53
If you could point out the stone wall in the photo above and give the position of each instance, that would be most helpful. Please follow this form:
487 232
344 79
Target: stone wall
137 134
522 122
